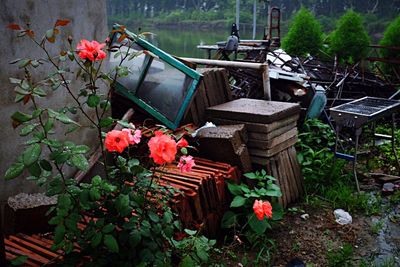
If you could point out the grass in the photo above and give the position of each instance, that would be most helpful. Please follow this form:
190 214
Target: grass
377 227
340 257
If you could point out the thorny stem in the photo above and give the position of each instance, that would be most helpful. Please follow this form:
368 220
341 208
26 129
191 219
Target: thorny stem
112 85
59 169
64 81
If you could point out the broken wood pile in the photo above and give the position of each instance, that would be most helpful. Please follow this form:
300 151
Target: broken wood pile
272 133
214 89
204 200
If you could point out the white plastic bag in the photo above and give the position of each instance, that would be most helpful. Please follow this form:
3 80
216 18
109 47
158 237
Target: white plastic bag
342 217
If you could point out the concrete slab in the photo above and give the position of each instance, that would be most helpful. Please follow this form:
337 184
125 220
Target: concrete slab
258 127
271 143
253 110
265 153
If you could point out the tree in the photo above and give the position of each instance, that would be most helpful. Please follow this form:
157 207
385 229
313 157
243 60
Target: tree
391 37
304 36
350 40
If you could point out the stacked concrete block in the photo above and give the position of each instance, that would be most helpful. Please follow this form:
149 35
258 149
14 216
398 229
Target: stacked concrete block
271 135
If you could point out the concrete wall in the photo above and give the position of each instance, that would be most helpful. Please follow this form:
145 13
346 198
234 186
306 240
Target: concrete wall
88 21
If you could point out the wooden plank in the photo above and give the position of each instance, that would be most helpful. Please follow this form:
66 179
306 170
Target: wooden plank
19 250
296 168
10 257
284 177
275 173
33 246
227 86
291 175
200 105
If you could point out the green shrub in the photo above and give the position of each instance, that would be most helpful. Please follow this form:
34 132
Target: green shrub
304 36
391 37
350 40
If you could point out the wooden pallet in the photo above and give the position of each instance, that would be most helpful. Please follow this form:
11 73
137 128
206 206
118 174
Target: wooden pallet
36 247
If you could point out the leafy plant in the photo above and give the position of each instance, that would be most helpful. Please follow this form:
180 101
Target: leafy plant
350 40
194 250
391 38
123 218
246 216
304 36
314 155
341 257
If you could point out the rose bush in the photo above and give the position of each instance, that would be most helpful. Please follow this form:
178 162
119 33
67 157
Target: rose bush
122 217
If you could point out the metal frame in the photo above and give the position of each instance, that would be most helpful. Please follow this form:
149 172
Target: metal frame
173 124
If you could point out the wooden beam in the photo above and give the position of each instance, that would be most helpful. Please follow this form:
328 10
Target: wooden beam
225 63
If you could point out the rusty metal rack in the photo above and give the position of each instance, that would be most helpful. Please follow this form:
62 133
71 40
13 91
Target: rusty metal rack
358 113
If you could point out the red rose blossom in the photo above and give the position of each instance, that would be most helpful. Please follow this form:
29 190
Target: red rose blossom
91 50
182 143
162 148
116 141
262 208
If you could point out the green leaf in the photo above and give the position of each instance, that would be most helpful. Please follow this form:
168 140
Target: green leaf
61 117
64 202
28 129
251 175
50 36
122 202
31 154
190 232
80 149
46 165
37 91
187 262
258 226
15 170
23 63
154 217
59 233
229 219
202 254
93 100
105 105
106 122
134 238
35 169
111 243
234 189
108 228
238 201
94 194
96 239
80 161
19 260
15 81
21 117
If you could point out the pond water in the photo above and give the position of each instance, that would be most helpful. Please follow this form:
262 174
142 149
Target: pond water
183 42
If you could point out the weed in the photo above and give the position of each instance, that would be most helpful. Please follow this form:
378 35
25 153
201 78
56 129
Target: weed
377 227
296 247
341 257
296 210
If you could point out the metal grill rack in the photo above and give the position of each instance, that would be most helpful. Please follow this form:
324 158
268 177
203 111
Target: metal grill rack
358 113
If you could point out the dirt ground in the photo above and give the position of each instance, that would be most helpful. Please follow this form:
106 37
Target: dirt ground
311 239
